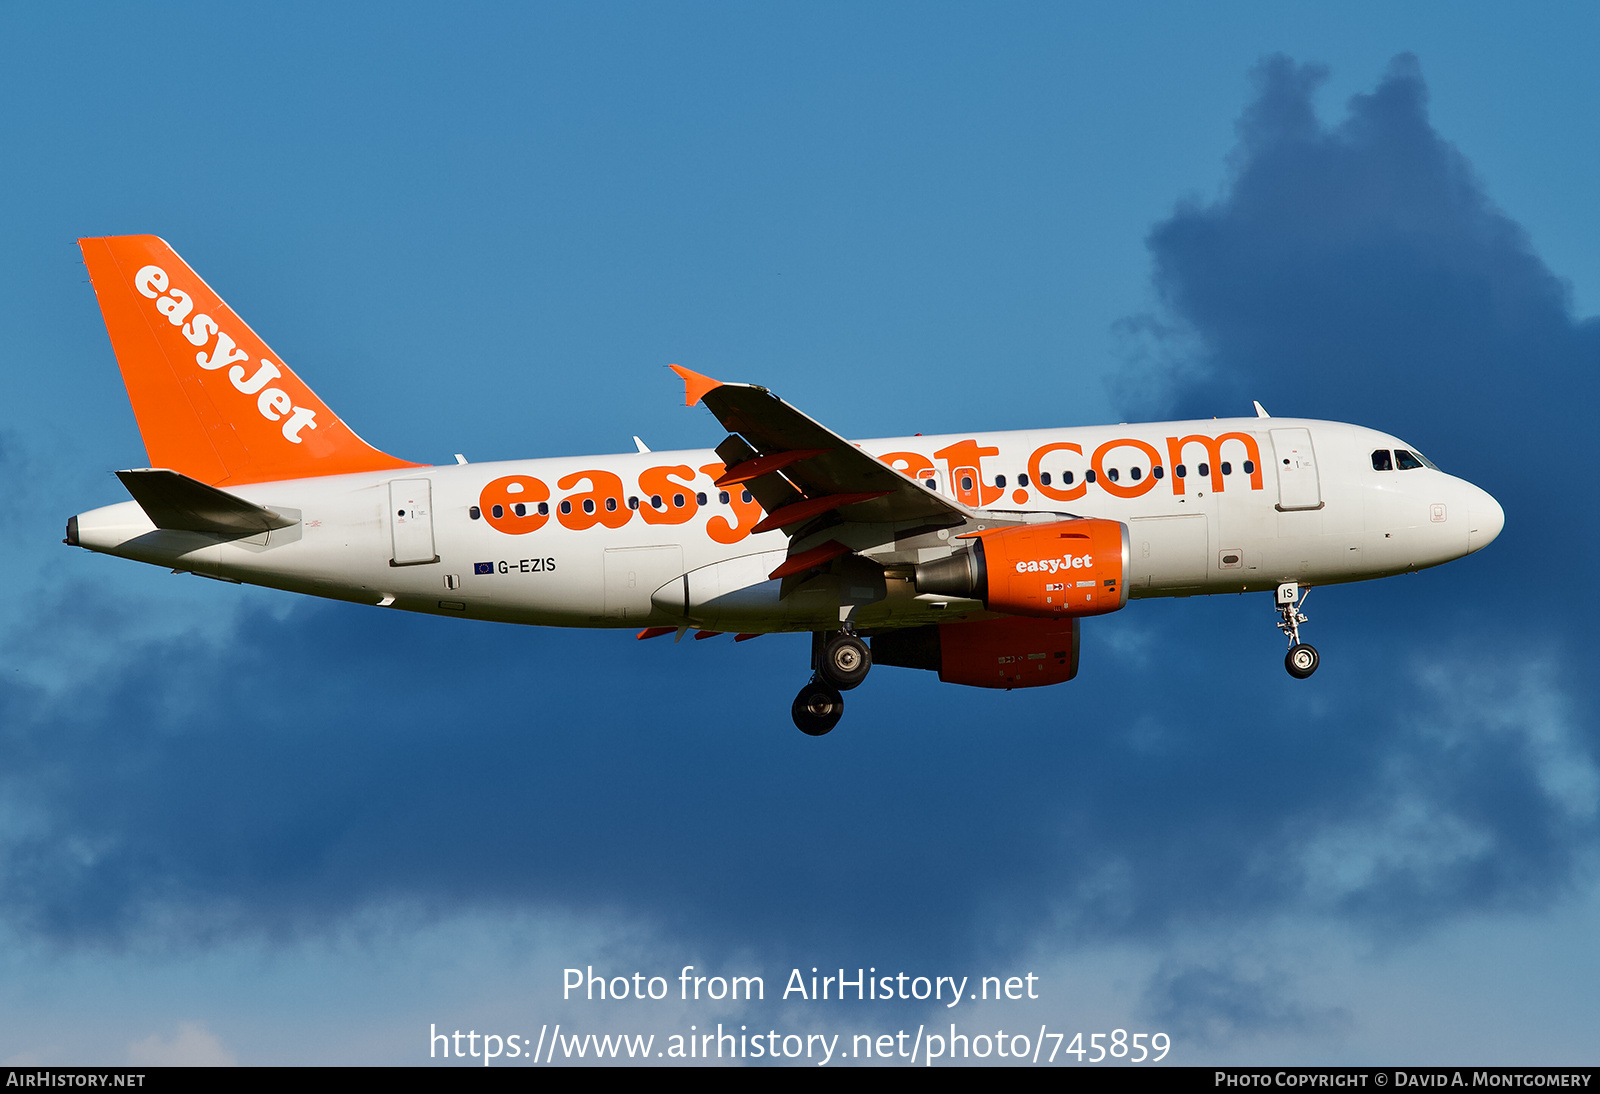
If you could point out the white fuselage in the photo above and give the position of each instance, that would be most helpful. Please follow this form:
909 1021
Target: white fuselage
1276 500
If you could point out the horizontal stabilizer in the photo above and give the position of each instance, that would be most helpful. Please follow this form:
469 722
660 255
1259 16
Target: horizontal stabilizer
181 504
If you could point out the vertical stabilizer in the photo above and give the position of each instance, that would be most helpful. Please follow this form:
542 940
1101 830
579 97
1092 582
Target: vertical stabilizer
212 400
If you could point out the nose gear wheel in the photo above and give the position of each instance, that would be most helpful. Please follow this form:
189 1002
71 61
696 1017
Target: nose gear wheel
1301 660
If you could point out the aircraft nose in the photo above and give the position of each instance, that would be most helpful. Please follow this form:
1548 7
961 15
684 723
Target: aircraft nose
1485 519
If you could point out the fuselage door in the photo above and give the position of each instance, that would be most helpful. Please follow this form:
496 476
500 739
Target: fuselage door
411 521
1298 487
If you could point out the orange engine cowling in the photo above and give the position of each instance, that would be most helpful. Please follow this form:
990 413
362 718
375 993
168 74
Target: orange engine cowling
987 653
1065 568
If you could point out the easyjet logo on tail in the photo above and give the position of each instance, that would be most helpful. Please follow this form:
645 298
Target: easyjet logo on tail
272 403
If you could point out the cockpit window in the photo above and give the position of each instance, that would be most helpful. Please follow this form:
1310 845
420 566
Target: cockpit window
1380 460
1405 460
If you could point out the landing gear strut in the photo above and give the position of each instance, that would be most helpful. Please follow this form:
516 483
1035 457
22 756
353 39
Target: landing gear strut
841 661
1302 659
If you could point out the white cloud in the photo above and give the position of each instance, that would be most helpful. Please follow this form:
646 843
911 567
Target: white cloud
191 1046
1520 699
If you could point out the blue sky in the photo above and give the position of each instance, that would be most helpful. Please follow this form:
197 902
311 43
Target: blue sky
238 825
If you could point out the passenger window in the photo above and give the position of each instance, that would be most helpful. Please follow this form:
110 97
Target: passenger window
566 507
1022 480
1135 474
1380 460
1044 478
745 497
588 505
1204 469
520 509
544 509
1000 481
633 503
1249 467
1066 478
655 501
966 482
700 499
931 484
1158 471
723 497
475 513
1405 461
1111 474
1181 471
611 505
1227 468
1088 476
498 511
677 501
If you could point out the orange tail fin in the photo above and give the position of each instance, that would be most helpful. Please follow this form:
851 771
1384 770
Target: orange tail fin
212 400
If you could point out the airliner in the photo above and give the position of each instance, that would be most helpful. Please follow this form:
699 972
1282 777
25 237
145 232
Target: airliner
973 555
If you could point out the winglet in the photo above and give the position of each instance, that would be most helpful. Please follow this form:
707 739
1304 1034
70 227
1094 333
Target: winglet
695 386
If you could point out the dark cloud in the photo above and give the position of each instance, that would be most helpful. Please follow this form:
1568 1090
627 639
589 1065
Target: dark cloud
336 758
311 767
1360 272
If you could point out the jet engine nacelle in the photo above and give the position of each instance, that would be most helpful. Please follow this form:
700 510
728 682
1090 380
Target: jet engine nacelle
1065 568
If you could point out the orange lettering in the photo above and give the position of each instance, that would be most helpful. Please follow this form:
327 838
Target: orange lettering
1034 474
912 464
1116 489
745 513
658 482
1213 446
500 498
583 511
964 460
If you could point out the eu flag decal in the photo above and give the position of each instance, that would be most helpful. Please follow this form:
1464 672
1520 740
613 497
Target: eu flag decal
483 567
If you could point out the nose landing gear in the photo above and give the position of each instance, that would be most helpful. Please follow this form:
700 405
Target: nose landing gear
841 661
1302 659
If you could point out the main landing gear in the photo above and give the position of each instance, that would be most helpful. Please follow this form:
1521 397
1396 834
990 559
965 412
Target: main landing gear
841 661
1302 659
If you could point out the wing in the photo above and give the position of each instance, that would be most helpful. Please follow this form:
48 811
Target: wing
799 470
